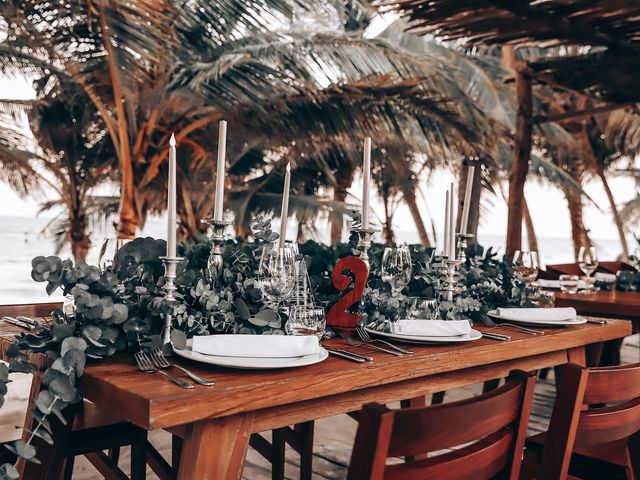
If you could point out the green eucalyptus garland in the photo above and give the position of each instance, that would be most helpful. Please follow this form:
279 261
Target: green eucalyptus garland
122 308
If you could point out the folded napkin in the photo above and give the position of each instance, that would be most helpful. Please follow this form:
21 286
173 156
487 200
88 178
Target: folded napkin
259 346
431 328
551 314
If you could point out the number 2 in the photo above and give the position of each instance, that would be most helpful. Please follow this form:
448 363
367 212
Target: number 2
338 317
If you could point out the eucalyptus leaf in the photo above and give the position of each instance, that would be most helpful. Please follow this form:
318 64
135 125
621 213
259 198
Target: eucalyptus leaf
9 472
22 449
73 342
242 309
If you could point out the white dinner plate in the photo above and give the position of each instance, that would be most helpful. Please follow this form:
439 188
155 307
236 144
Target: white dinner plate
547 323
473 335
254 363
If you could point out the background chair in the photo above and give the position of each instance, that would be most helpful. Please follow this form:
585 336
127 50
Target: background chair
595 426
495 423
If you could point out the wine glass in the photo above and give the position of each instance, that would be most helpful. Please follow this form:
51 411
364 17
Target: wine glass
396 268
277 273
526 267
588 262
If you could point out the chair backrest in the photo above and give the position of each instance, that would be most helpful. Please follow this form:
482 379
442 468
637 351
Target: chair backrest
593 407
552 272
495 423
8 331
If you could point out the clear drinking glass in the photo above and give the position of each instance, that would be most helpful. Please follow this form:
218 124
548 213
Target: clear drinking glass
422 308
306 320
277 273
526 266
396 268
588 262
569 283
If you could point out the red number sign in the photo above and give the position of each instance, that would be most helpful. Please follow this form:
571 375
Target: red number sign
338 316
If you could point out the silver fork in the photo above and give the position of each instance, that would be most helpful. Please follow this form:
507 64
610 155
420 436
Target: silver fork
145 365
354 343
530 331
160 361
365 337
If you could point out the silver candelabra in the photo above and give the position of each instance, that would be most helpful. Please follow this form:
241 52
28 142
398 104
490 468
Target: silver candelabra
170 270
364 241
215 263
463 240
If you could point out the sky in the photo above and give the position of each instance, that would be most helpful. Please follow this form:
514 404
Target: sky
547 204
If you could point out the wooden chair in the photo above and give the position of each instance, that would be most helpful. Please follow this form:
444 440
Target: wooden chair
495 422
93 430
595 426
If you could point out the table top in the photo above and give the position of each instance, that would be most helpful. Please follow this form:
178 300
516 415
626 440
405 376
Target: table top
151 401
624 305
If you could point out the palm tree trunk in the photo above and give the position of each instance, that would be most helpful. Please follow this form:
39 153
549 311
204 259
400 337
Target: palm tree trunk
410 200
532 239
389 236
579 232
129 218
614 210
522 155
344 176
80 242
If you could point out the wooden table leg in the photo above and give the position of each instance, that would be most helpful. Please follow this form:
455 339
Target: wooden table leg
577 355
215 449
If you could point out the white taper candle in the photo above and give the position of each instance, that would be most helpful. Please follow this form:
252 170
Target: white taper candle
218 209
464 222
366 182
284 212
446 243
452 223
171 200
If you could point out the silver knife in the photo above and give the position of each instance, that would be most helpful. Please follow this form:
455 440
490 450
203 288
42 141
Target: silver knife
28 320
496 336
19 323
355 354
346 356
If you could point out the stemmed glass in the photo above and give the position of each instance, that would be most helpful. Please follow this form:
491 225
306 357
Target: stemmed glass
588 262
277 273
396 268
526 266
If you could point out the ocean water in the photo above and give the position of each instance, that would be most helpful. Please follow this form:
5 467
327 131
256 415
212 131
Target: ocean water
21 239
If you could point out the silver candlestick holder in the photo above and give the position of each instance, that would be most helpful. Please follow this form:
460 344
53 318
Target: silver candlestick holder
364 241
463 240
170 270
448 286
215 262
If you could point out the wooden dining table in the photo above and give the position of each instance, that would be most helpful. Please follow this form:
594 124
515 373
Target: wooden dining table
216 422
608 304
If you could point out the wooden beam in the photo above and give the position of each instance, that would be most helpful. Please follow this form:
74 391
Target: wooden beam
521 157
557 117
561 26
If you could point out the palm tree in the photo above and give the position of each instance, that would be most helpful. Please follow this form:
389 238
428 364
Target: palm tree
71 155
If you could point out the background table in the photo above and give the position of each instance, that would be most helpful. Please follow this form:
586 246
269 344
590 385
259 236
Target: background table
623 305
216 422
